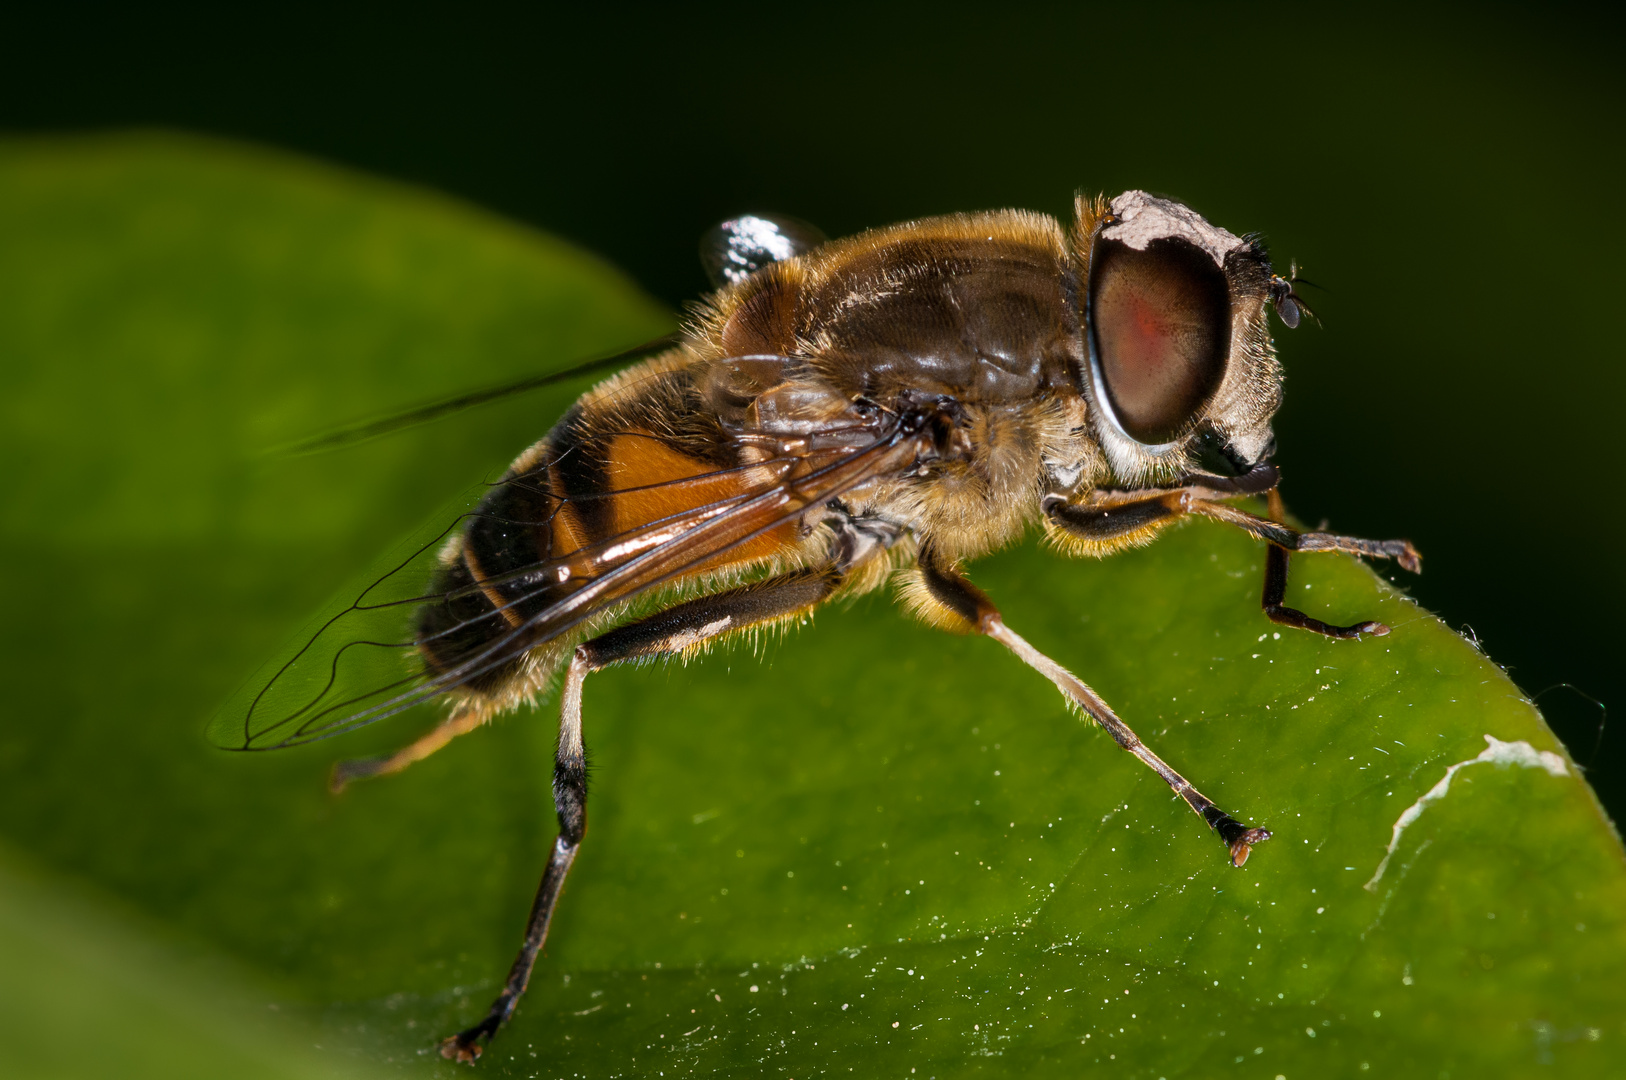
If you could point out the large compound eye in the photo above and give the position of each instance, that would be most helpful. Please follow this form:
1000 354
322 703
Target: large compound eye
1161 320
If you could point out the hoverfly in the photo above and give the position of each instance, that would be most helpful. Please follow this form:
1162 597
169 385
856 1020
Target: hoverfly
835 415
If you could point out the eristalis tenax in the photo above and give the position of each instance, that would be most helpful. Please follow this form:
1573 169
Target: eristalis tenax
836 415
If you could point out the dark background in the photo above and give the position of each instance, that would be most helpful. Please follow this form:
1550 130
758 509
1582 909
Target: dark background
1450 175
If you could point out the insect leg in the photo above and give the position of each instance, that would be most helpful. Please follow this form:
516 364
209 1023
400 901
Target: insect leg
978 614
1273 597
1107 523
462 721
1275 592
1293 540
1108 527
678 629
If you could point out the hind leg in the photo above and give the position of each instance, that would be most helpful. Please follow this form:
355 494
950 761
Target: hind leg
462 721
675 630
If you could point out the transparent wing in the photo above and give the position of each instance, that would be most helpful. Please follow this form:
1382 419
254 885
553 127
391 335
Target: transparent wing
423 414
360 659
361 646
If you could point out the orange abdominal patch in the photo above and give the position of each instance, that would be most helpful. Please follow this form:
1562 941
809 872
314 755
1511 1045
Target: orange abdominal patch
652 481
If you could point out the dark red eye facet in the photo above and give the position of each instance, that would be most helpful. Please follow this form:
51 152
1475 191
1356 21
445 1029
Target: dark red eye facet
1161 325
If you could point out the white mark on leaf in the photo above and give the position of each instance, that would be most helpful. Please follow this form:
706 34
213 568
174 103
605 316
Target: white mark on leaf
1498 753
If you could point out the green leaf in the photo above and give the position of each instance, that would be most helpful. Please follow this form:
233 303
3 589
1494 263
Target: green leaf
88 993
873 824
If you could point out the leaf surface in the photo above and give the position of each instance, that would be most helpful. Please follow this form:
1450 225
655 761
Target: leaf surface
87 992
872 849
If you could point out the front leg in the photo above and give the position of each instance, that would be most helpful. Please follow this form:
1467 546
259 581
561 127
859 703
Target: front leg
1290 539
1272 599
1106 523
949 599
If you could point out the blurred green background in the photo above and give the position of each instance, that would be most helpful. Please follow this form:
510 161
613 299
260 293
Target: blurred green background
1446 173
1449 173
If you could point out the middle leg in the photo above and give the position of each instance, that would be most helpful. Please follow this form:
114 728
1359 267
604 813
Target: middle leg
962 603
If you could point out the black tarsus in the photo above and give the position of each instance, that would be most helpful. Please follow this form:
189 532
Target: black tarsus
1235 835
1275 592
466 1045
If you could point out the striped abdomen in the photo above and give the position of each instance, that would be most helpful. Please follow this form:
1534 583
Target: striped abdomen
600 473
